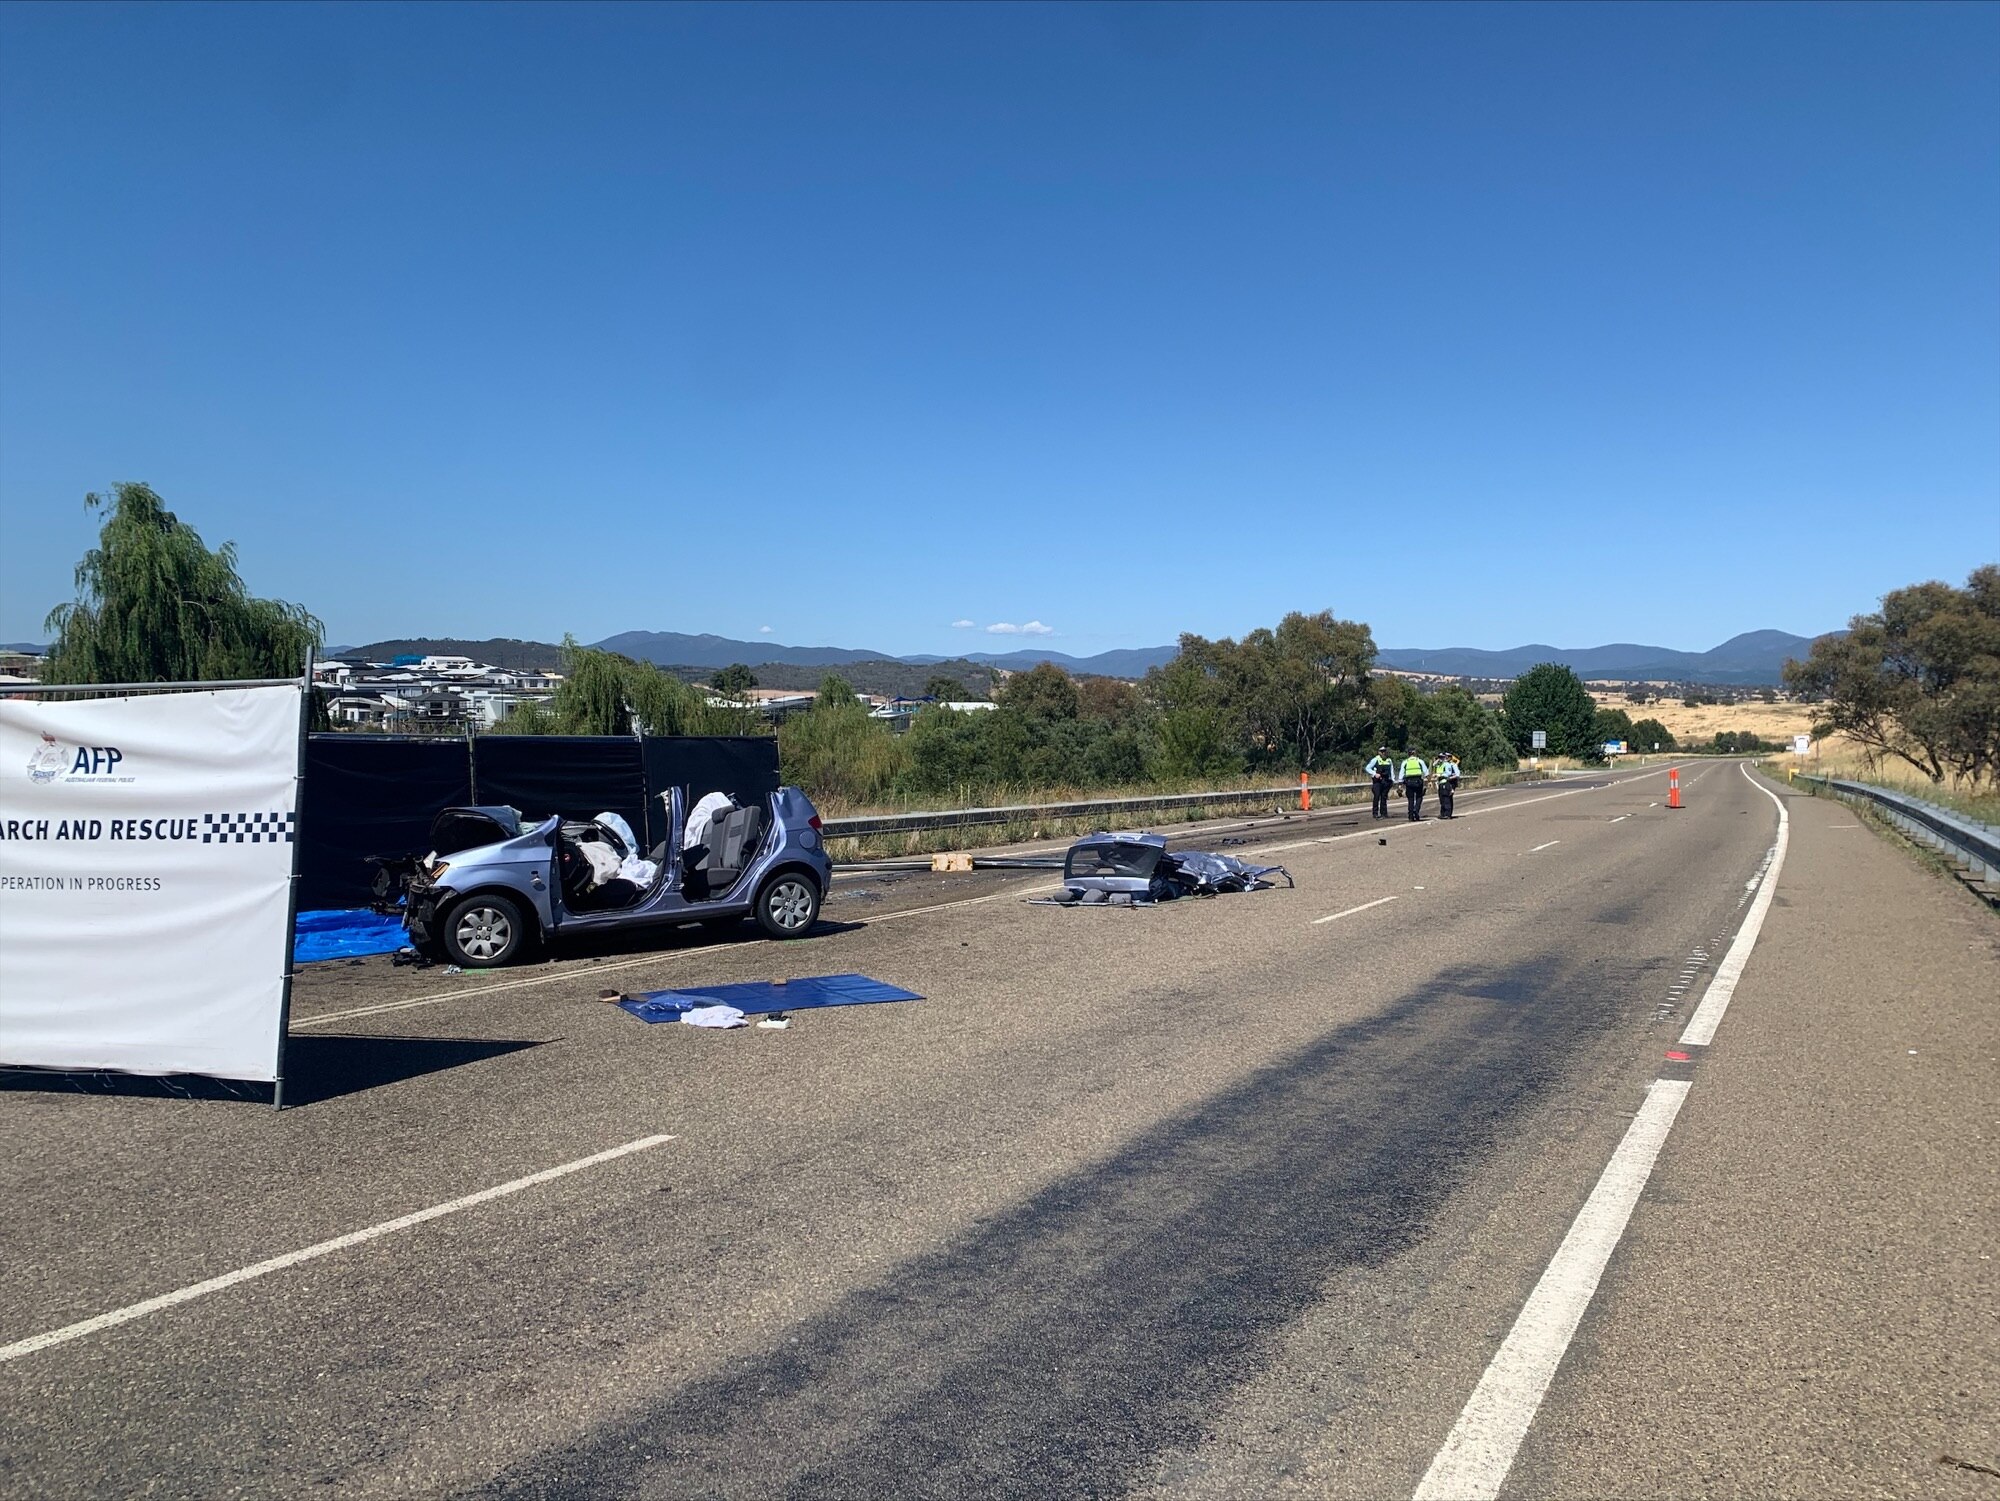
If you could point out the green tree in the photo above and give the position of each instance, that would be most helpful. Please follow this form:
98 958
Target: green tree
1045 691
1919 680
733 679
1611 724
1316 682
1290 696
834 690
1650 734
1451 719
1394 707
1195 733
1110 699
603 693
837 753
154 605
946 690
1193 742
1550 697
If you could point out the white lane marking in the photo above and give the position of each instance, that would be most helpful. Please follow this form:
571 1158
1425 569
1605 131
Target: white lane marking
1621 818
1549 846
1337 916
195 1290
1715 1000
664 956
1480 1449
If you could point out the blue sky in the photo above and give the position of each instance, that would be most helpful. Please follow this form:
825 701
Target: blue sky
1484 324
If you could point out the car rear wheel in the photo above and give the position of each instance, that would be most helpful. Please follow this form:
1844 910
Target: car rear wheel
484 932
788 905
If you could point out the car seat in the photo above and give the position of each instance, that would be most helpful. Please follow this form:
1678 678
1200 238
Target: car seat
732 842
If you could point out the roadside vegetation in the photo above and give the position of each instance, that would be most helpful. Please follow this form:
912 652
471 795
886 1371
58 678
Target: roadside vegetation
1917 683
1909 696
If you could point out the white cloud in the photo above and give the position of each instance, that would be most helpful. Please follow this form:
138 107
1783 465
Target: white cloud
1032 628
961 625
763 630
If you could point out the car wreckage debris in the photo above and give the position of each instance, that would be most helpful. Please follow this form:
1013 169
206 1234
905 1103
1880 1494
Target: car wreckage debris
1138 870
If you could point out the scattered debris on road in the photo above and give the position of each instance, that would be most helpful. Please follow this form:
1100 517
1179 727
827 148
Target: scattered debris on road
1137 870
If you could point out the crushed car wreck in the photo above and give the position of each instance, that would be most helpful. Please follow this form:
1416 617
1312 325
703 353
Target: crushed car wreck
1137 870
491 889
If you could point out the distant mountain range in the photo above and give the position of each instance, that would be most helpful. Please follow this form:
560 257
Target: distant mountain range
1755 657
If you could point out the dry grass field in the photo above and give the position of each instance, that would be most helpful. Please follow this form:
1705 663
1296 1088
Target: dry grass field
1698 726
1840 757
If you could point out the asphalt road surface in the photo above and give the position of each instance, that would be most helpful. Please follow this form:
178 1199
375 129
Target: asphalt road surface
1220 1199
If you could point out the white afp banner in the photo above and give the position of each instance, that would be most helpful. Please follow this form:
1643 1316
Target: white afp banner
145 871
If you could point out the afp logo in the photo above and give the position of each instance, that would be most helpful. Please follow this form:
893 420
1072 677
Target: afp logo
54 761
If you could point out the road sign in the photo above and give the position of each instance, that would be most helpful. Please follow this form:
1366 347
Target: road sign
1538 739
1614 747
1801 744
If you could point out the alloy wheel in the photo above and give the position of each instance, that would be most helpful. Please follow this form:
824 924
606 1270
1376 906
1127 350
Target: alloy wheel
790 903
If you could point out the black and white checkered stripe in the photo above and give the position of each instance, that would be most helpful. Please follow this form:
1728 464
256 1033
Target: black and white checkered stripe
247 828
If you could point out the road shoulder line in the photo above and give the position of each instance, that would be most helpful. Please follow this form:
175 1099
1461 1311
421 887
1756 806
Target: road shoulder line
1473 1462
1715 1000
1478 1452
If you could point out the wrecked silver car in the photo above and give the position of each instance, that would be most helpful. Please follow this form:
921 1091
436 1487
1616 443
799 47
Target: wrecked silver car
492 889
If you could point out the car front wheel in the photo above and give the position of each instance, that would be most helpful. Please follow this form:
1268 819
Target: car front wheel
484 932
788 905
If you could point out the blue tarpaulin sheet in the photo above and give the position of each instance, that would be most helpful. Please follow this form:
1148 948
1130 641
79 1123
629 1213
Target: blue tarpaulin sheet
763 997
345 934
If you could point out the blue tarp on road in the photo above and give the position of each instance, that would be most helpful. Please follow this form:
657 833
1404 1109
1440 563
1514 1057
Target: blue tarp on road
765 997
345 934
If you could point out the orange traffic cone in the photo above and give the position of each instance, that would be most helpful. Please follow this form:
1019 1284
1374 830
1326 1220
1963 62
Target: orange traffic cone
1305 794
1674 787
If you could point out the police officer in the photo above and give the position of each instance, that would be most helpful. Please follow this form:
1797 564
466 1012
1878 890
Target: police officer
1447 780
1414 772
1381 771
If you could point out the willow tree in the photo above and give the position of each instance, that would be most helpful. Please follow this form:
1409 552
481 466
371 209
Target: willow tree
155 605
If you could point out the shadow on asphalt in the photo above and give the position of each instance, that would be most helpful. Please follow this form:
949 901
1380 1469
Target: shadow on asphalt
1060 1348
316 1068
667 940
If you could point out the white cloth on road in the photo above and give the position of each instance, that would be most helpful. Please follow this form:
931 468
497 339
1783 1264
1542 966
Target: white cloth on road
712 1016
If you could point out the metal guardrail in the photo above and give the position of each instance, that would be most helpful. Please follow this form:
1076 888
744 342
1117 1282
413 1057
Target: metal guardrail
1974 845
957 818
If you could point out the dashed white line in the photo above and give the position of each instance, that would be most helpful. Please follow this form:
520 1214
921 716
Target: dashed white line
1481 1446
1549 846
1337 916
195 1290
1621 818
